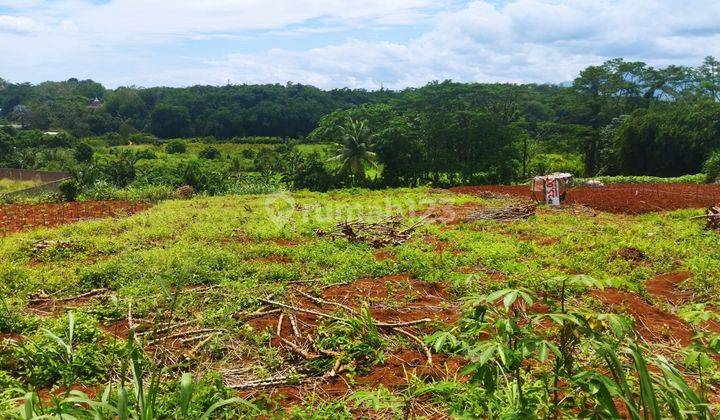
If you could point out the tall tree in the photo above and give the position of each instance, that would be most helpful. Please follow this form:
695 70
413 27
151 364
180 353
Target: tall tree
353 151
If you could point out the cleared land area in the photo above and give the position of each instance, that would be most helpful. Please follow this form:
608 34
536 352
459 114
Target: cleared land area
279 300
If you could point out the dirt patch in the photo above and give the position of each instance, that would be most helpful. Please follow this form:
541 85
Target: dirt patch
273 259
18 217
285 241
440 246
546 241
92 391
384 255
10 336
666 287
398 298
451 214
391 299
631 254
118 329
621 198
399 367
651 323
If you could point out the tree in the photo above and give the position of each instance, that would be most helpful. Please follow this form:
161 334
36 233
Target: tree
209 152
125 103
38 117
167 121
353 151
176 147
709 78
20 113
83 153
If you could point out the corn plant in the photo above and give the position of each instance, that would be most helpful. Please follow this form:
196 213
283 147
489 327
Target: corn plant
139 401
655 396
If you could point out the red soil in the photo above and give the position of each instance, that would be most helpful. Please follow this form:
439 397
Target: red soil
450 214
621 198
17 217
394 298
666 286
653 324
384 254
399 367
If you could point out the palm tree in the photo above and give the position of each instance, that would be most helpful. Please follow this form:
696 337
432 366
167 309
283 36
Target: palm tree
354 150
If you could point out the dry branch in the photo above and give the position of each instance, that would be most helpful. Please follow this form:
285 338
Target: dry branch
279 324
335 318
169 327
327 302
293 324
413 337
180 334
91 293
299 350
274 381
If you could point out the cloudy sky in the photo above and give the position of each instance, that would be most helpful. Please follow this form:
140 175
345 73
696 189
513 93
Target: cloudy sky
344 43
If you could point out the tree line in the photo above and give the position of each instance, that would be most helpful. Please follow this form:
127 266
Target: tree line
620 117
290 110
617 118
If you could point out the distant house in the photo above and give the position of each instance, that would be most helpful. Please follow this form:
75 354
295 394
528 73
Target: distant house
95 104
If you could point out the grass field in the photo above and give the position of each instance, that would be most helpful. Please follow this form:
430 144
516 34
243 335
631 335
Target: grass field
247 295
9 185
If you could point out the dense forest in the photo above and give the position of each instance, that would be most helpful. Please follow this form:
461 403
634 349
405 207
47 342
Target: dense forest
616 118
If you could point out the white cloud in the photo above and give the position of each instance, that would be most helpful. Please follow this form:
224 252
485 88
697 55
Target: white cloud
126 41
18 24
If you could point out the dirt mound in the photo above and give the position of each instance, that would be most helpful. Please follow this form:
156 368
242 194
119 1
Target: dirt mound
631 254
665 286
398 298
651 323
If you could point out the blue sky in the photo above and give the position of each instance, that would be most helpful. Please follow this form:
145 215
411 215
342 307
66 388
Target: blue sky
341 43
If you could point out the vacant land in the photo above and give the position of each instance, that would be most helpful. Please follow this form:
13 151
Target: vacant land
265 297
622 198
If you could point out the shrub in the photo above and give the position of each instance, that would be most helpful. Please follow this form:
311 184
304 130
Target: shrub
712 167
175 147
145 154
83 153
545 163
209 152
69 190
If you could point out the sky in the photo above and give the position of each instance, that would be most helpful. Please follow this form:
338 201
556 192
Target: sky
344 43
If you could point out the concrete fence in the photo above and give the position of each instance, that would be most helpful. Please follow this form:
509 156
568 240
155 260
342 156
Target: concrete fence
29 175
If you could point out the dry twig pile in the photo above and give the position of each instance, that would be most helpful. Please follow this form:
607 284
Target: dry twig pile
713 217
389 232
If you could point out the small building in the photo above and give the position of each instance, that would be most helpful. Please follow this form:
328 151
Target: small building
95 104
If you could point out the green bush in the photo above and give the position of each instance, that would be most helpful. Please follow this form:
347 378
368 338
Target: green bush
145 154
69 190
54 355
621 179
83 153
175 147
546 163
712 167
209 152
